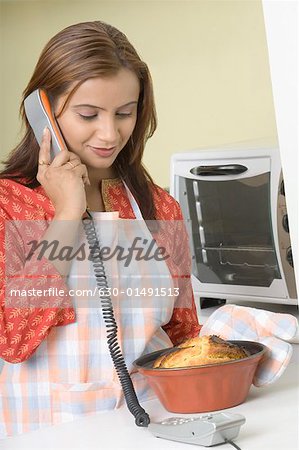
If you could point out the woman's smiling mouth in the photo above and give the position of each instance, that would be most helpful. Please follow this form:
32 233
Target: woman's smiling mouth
103 152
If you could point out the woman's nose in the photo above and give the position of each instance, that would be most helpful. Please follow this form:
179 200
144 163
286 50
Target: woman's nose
107 131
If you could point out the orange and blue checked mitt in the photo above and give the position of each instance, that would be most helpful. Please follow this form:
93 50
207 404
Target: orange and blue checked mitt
232 322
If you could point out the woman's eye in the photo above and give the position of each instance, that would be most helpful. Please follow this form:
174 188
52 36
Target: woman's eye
87 117
124 114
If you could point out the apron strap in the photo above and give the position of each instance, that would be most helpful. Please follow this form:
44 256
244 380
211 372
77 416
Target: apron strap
133 202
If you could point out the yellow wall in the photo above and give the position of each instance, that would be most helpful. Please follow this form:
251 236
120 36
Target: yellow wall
208 60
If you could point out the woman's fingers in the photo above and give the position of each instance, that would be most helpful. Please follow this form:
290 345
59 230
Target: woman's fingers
44 152
80 170
64 160
44 157
74 161
60 159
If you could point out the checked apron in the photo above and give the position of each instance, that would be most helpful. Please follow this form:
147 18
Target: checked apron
71 374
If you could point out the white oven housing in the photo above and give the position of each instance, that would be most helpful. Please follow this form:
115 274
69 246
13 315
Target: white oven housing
234 205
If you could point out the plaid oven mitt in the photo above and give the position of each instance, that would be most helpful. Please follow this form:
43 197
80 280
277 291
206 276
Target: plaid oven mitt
234 322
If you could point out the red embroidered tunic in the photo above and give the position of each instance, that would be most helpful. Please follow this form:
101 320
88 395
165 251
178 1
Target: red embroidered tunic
25 322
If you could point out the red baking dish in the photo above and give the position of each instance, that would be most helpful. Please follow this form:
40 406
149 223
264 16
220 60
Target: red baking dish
203 388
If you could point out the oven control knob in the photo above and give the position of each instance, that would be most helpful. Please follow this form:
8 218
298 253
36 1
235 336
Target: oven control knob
285 223
290 257
282 191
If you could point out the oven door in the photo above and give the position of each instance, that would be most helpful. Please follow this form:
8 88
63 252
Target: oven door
229 208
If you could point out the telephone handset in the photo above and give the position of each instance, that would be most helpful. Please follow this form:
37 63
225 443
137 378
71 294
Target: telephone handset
205 431
39 114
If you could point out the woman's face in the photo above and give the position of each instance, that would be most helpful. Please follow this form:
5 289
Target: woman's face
99 119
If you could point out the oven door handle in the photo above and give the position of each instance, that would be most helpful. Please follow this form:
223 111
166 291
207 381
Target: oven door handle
221 169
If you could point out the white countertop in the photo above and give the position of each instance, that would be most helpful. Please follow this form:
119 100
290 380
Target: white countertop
271 423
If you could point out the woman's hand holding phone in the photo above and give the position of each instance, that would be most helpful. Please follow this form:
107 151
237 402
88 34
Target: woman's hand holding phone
63 180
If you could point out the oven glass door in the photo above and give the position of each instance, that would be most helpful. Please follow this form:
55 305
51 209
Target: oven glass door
231 231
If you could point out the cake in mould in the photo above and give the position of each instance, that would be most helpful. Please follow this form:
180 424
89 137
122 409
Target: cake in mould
200 351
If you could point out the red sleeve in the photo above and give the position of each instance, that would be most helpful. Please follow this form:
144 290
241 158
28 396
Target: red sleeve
184 321
27 314
183 324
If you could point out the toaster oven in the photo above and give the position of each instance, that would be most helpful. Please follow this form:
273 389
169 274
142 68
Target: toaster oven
235 209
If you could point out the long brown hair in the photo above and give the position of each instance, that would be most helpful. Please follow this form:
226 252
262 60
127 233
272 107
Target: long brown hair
77 53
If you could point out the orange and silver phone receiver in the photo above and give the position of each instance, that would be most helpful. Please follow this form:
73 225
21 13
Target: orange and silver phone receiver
40 115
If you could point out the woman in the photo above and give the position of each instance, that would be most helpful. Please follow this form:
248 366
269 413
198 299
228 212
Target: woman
57 355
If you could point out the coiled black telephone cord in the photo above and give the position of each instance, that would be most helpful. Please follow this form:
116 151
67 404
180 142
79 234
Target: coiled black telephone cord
141 417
